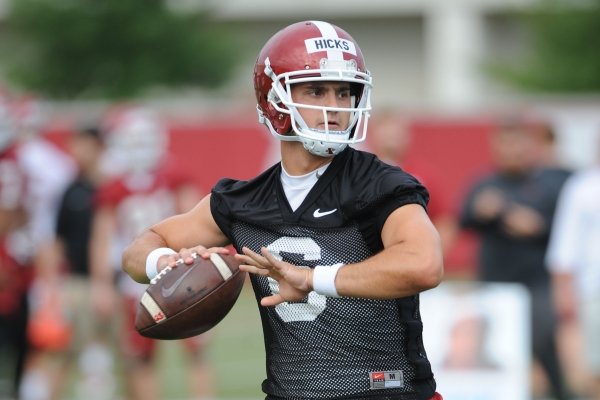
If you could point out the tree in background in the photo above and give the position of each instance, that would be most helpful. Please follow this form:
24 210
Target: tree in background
112 48
565 54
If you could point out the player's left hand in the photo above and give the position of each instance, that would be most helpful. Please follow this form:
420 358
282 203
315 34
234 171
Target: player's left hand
293 280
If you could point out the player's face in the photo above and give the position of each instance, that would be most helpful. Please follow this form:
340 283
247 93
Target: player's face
323 94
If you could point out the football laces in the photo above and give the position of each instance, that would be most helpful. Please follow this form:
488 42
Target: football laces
161 274
169 268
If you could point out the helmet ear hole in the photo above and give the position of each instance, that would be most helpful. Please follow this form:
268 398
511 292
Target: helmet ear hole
284 127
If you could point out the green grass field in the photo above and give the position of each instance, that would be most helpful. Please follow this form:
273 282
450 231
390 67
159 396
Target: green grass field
236 352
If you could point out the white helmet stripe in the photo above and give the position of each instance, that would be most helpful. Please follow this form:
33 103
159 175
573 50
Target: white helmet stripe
328 31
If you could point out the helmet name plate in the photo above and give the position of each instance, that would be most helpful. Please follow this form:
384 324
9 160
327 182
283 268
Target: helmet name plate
325 44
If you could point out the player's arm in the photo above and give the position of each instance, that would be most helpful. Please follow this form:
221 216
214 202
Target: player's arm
411 261
195 230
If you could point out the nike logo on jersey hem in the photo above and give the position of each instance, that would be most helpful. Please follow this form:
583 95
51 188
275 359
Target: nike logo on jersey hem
166 292
319 214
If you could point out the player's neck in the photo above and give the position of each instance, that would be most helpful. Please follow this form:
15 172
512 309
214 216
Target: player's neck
298 161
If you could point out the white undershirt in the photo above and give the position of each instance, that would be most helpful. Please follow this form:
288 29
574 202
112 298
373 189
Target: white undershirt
296 188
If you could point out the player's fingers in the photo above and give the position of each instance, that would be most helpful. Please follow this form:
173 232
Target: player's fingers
205 253
252 269
247 252
171 261
256 259
187 256
244 259
278 264
220 250
278 267
271 301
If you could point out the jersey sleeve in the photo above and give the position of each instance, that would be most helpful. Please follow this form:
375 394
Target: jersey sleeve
219 207
245 199
375 190
379 189
399 189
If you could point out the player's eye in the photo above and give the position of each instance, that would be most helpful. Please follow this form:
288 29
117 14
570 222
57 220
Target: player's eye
343 93
315 91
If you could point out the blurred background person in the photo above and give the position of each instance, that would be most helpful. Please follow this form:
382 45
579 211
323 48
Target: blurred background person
48 170
146 188
390 140
546 149
573 258
16 272
512 209
67 279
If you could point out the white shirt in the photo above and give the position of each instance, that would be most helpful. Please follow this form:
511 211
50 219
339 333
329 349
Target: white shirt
574 246
296 188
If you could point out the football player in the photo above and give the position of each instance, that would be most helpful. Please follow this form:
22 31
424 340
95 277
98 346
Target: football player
338 244
145 189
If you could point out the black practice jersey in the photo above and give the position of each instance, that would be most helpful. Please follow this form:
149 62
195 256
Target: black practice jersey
323 347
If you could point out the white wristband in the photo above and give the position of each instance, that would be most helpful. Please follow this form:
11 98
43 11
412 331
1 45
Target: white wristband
152 260
324 279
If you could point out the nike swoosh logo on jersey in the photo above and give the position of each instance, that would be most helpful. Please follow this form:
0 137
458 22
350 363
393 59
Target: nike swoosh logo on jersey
166 292
319 214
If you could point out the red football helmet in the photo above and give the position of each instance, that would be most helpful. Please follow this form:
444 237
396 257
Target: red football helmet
311 51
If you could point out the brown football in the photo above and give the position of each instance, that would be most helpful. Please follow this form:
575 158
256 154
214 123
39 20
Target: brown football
188 300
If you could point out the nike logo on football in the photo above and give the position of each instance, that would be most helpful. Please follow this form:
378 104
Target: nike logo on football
319 214
166 292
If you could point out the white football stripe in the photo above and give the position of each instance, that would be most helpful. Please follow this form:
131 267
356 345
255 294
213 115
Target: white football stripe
328 31
221 266
153 308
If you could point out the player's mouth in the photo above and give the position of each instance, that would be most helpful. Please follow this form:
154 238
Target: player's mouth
331 125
